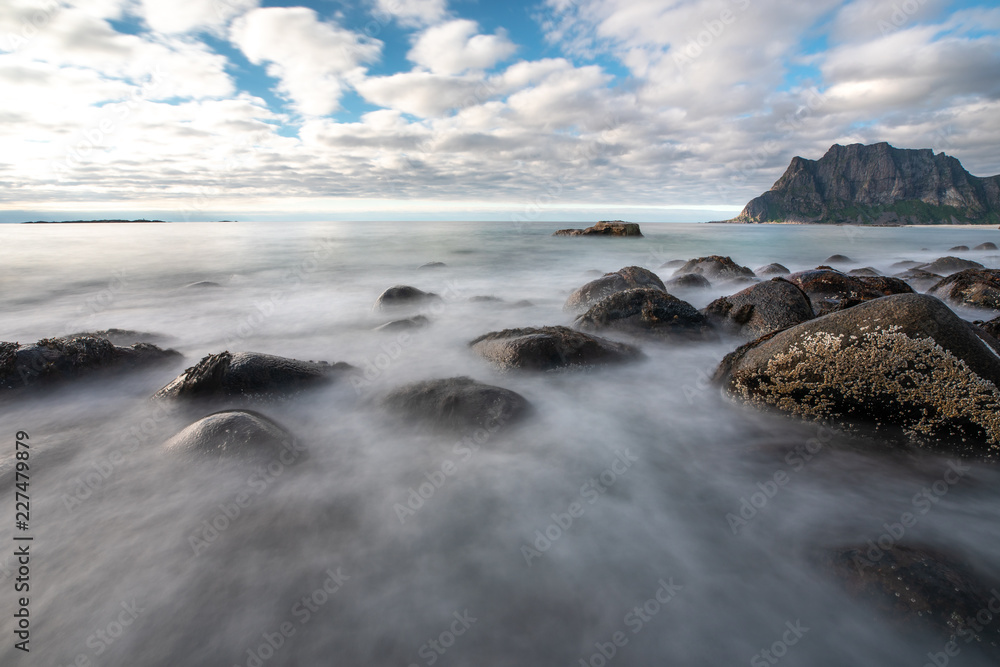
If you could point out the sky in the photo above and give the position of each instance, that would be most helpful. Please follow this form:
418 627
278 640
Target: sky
645 110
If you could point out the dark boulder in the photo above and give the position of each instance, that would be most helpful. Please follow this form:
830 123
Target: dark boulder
946 265
549 348
458 404
773 269
716 268
688 281
54 360
992 327
838 259
604 228
907 264
959 248
919 279
866 271
646 311
673 264
236 434
403 295
432 265
415 322
830 290
979 288
762 308
904 367
248 375
120 336
630 277
989 245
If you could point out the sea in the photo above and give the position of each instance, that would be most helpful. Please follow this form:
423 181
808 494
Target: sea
638 517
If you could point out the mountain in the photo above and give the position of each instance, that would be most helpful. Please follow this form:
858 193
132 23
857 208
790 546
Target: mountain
877 184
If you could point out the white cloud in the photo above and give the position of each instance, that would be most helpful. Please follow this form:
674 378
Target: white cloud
179 16
423 94
456 46
312 59
412 12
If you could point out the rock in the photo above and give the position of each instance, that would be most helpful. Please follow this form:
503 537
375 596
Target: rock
119 336
907 264
773 269
485 299
248 375
918 278
236 434
915 587
646 311
946 265
830 290
864 271
992 327
458 404
958 248
762 308
549 348
203 284
979 288
51 361
403 295
673 264
432 265
604 228
415 322
630 277
838 259
716 268
688 281
904 367
989 245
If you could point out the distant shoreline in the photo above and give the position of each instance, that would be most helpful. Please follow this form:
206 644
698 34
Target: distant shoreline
87 222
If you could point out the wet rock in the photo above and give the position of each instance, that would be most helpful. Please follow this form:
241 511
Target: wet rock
992 327
415 322
946 265
604 228
549 348
919 279
762 308
236 434
773 269
458 404
673 264
715 268
904 367
432 265
248 375
838 259
400 296
906 264
52 361
866 271
979 288
203 284
646 311
958 248
485 299
830 290
120 336
989 245
630 277
688 281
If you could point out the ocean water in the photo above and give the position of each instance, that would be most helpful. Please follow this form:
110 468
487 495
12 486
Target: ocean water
141 558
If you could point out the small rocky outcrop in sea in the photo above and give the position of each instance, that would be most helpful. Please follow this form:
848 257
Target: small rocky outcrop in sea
992 327
958 248
838 259
830 290
904 367
458 404
979 288
604 228
673 264
919 279
773 269
400 296
415 322
124 337
549 348
688 281
432 265
630 277
236 434
55 360
646 311
989 245
762 308
248 375
716 268
864 271
946 265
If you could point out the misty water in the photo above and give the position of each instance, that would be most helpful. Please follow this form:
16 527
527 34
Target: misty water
128 570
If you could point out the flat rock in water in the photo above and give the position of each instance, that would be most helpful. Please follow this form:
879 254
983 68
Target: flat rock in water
959 248
604 228
248 375
647 311
629 277
550 348
416 322
946 265
762 308
432 265
236 434
56 360
979 288
773 269
716 268
458 404
688 281
904 366
400 296
830 290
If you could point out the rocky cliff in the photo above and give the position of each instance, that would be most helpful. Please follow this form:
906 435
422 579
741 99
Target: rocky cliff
877 184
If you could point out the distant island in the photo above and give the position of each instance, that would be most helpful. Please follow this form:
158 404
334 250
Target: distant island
877 185
83 222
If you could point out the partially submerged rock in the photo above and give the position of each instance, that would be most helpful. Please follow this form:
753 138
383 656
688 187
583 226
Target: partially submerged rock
688 281
458 404
55 360
979 288
946 265
248 375
830 290
673 264
604 228
400 296
646 311
761 308
838 259
629 277
236 434
773 269
119 336
989 245
549 348
992 327
432 265
919 279
866 271
415 322
716 268
902 366
958 248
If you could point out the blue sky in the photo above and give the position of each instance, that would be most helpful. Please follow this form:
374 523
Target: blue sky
469 109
